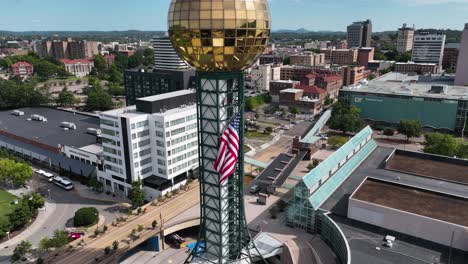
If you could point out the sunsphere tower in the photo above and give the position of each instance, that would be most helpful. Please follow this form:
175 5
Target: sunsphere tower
220 38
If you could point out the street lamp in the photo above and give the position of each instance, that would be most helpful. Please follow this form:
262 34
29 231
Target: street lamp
8 234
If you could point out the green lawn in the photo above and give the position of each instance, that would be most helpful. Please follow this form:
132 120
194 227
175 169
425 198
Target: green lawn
258 135
6 205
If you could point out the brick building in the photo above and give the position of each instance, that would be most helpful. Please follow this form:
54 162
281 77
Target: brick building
307 59
277 86
22 69
341 56
364 56
354 74
450 59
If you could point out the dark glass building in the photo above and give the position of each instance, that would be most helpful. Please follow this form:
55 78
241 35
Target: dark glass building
142 83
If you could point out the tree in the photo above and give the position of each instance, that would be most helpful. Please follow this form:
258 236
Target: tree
404 57
268 130
116 89
34 201
337 141
154 224
98 100
19 217
135 60
313 164
345 118
99 64
295 111
442 144
137 195
115 245
410 128
66 98
45 244
86 216
23 248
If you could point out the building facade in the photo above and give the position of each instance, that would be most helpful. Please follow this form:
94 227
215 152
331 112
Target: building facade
79 68
165 56
418 68
341 56
68 49
462 64
155 141
360 34
428 99
270 59
142 83
405 39
307 59
354 74
364 56
277 86
262 75
22 69
428 48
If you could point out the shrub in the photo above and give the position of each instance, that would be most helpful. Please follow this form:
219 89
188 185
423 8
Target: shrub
86 216
140 228
388 132
107 250
104 229
154 224
97 232
337 141
139 210
40 261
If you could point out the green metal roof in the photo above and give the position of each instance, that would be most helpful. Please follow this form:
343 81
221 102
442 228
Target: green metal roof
256 162
326 190
324 168
311 137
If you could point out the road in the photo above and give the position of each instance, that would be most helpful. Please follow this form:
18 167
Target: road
95 247
65 204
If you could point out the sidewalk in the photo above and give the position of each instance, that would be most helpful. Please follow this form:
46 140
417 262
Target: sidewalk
41 219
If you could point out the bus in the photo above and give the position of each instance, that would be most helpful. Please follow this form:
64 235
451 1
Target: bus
47 175
67 185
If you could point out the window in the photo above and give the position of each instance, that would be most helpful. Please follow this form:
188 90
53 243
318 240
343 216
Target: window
134 136
191 117
111 142
160 153
143 133
192 144
161 171
133 126
192 135
159 143
134 145
145 152
113 160
168 143
159 134
192 126
111 150
167 124
146 161
177 131
109 132
142 124
135 155
146 171
108 123
143 143
179 149
161 162
168 134
178 140
159 124
178 121
136 164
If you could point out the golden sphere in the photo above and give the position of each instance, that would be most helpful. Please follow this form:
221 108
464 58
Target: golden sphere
219 35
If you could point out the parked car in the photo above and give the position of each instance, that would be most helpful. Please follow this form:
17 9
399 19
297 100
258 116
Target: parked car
254 189
171 240
178 238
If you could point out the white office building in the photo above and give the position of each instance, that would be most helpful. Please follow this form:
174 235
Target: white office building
155 141
165 56
262 75
428 48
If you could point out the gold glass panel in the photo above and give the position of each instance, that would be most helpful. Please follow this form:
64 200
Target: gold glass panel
219 35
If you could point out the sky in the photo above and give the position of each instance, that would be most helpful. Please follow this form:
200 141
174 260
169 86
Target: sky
316 15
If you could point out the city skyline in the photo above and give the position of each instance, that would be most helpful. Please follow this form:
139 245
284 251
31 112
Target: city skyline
55 15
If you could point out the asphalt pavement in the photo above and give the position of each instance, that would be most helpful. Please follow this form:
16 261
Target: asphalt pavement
64 204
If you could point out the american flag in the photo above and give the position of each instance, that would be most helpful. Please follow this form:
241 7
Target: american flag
228 149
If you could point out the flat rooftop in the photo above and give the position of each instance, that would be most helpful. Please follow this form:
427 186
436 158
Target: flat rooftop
50 133
429 166
374 166
414 200
394 83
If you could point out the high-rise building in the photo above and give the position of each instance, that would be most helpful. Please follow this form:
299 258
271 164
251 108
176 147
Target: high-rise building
165 56
360 34
155 140
142 83
451 53
67 49
462 64
405 38
428 48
